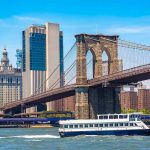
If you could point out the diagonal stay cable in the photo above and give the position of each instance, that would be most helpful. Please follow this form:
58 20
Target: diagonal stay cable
68 70
55 69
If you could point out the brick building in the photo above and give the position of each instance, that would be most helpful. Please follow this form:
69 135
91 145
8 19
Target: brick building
69 104
128 100
143 99
65 104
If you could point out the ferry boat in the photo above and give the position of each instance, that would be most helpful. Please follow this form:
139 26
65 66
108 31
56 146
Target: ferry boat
110 124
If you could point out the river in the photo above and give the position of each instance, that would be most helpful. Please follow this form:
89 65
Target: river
48 139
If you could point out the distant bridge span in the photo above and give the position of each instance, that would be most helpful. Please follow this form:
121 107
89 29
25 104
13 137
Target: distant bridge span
132 75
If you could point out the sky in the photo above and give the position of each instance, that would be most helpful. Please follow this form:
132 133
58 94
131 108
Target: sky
128 18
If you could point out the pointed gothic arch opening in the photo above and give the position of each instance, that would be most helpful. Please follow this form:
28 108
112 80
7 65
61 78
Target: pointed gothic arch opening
90 64
106 59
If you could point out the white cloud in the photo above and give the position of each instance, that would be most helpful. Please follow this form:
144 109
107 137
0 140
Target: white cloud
28 19
140 29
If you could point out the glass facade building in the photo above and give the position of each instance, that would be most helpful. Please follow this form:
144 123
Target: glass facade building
42 47
19 56
24 51
37 51
61 59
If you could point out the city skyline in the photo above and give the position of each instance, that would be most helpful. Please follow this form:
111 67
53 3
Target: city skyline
109 17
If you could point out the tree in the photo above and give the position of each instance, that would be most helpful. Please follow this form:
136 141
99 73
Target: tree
145 111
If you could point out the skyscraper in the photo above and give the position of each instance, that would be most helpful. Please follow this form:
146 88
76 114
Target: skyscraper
42 54
10 81
19 58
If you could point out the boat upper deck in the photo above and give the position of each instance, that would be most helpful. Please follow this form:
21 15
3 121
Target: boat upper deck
105 118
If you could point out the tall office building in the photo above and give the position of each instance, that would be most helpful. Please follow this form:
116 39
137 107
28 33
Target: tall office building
19 58
10 81
42 54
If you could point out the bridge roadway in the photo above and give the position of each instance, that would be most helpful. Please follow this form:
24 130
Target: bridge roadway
132 75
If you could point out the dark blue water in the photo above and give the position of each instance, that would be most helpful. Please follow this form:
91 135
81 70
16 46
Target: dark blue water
48 139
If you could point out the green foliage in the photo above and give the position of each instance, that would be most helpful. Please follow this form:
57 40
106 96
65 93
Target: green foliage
128 111
131 110
145 111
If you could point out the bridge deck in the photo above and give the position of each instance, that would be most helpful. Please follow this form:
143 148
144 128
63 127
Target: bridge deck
120 78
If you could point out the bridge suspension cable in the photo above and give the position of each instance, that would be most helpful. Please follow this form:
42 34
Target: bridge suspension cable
87 64
65 74
57 67
130 53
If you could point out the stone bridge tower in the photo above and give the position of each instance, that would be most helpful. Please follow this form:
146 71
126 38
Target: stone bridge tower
96 44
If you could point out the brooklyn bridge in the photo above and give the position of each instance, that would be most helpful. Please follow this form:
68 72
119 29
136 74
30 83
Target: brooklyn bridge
95 92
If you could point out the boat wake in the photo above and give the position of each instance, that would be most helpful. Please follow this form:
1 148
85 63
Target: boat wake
90 135
32 136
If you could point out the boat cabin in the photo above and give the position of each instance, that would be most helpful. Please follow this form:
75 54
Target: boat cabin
130 117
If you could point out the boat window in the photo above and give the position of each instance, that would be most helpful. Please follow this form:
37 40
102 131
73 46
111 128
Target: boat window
86 125
125 116
116 124
135 124
111 117
91 125
131 124
100 125
75 126
96 125
132 116
126 124
106 125
65 126
111 125
138 119
105 117
71 126
115 116
100 117
81 125
121 124
120 116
